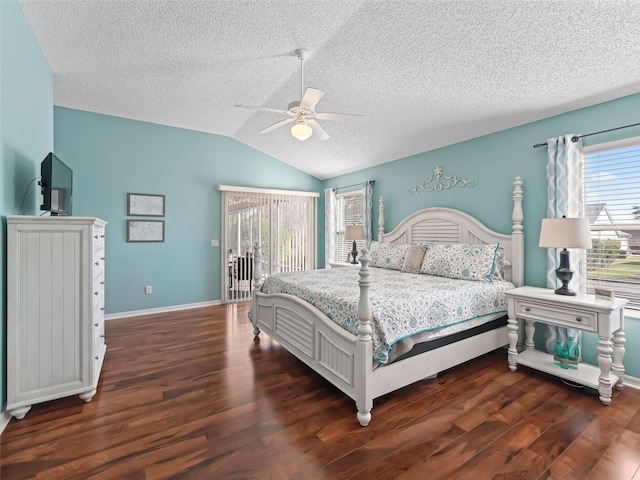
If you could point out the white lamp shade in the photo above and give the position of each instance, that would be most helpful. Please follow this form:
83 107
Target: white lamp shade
301 131
565 233
354 232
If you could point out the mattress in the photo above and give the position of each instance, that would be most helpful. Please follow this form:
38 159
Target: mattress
406 307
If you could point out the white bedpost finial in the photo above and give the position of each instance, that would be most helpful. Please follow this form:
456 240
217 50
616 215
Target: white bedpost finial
517 205
517 234
364 304
257 267
381 219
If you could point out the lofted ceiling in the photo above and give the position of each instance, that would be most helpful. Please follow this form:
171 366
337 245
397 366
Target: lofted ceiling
425 73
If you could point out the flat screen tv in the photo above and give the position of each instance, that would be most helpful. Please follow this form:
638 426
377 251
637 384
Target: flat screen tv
57 186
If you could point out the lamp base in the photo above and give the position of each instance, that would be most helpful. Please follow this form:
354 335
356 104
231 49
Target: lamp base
354 253
564 274
563 290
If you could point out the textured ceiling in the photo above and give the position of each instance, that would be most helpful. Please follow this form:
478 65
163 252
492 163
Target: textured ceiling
425 73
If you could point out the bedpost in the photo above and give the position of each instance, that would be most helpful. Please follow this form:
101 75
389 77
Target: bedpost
257 283
517 236
381 219
364 353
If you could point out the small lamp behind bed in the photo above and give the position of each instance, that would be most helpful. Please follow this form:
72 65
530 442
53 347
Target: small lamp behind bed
354 232
565 233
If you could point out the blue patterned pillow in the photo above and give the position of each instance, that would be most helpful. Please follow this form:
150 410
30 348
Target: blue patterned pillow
465 261
388 255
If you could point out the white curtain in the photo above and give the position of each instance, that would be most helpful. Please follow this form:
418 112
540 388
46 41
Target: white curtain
329 226
367 201
564 194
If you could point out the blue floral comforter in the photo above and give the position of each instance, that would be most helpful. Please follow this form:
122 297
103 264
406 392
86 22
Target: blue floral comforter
403 304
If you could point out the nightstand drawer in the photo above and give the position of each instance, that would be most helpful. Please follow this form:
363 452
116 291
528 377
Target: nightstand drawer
569 317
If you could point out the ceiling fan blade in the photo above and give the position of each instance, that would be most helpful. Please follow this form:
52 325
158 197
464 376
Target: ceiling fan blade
263 109
339 116
317 129
311 97
276 125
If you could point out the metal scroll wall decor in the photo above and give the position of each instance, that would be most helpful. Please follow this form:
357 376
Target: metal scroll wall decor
441 181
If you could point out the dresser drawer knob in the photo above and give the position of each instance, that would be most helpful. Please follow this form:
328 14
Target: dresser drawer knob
95 236
527 309
96 357
95 293
95 324
102 308
578 319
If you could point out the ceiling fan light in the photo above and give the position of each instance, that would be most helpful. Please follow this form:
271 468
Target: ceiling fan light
301 131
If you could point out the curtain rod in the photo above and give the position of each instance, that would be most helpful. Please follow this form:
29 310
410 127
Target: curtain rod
575 138
354 185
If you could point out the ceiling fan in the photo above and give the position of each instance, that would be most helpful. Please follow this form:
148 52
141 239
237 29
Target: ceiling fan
302 111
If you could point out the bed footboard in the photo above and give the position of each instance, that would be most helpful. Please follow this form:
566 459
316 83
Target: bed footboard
309 335
338 356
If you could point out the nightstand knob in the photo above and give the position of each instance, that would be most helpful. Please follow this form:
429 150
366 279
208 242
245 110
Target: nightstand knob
527 309
578 319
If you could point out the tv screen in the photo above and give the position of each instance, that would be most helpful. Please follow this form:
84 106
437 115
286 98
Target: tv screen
57 186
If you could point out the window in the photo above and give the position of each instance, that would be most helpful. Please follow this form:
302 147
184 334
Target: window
349 211
611 179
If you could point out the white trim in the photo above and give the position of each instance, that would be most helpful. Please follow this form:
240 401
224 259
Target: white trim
270 191
5 417
616 144
632 382
631 312
151 311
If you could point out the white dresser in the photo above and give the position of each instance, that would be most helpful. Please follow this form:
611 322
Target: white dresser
55 309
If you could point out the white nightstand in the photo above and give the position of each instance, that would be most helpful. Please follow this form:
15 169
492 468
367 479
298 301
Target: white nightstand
582 312
343 264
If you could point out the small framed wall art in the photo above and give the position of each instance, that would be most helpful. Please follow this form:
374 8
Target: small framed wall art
145 205
145 230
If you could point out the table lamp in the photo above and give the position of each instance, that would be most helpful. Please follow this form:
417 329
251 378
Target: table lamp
354 232
565 233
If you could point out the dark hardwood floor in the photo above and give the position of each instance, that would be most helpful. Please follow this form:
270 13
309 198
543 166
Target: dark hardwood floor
190 394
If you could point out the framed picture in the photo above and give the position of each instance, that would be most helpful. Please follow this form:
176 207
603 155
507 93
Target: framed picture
145 204
145 230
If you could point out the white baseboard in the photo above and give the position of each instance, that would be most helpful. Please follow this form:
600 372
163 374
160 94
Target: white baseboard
4 421
632 382
151 311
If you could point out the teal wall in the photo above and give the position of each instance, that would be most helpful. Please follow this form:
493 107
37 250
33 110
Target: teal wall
112 156
494 161
26 135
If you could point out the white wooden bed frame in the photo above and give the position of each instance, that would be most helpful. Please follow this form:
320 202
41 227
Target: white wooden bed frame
344 359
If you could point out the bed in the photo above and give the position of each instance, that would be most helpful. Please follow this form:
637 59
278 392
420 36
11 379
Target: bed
354 361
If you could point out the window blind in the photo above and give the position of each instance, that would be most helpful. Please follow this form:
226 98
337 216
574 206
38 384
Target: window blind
611 179
283 224
349 211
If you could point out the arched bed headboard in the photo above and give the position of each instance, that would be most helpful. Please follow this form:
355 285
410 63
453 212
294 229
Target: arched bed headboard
448 225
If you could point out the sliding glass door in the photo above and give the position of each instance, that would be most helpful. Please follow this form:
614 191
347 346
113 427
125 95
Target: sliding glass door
281 223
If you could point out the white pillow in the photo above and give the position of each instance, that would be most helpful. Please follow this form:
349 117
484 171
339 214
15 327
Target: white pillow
459 260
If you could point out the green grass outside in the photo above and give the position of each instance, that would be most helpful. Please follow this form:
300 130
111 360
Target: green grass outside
627 269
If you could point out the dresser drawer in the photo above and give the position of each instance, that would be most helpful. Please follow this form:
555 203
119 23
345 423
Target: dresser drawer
568 317
98 236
